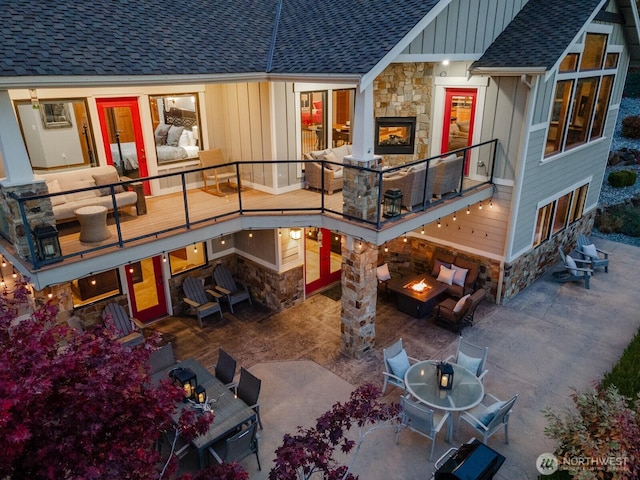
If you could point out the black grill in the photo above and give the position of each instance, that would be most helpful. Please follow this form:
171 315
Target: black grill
472 461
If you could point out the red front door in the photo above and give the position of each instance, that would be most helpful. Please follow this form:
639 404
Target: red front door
146 289
122 137
459 114
323 259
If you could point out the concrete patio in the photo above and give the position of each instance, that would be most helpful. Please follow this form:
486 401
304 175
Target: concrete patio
550 338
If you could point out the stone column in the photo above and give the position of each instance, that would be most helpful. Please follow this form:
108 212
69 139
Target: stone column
360 189
359 293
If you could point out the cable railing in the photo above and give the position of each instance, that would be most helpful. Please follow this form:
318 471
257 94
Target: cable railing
422 184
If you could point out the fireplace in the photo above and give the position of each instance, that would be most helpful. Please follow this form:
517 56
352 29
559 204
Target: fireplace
395 135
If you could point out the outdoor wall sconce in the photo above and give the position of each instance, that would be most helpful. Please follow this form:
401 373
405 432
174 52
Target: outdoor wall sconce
201 394
295 233
186 378
445 376
47 242
392 202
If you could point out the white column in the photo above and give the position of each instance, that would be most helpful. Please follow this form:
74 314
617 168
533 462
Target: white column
17 167
363 125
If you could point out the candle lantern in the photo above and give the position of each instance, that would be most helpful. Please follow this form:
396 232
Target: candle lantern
201 394
445 376
392 202
187 380
47 243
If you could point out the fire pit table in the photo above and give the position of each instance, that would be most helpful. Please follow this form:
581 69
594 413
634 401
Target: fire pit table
418 295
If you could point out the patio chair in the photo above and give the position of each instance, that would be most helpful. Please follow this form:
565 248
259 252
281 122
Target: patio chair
422 420
456 314
129 328
212 177
225 368
232 290
571 272
237 447
396 363
597 257
384 276
472 357
162 358
248 390
196 298
490 416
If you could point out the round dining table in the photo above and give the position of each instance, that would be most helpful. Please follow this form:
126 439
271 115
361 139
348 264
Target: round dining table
421 380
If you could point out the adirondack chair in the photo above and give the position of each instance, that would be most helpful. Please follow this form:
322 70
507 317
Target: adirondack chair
212 177
597 257
232 290
571 272
196 297
128 328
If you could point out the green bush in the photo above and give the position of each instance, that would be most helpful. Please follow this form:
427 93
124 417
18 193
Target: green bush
631 127
625 375
622 178
609 222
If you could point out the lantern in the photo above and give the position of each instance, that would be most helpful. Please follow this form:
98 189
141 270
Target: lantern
47 243
201 394
187 380
445 376
392 202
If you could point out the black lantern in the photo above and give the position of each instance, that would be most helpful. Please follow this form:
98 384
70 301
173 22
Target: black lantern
187 380
201 394
445 376
47 243
392 202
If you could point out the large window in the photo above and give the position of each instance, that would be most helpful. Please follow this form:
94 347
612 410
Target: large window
95 287
554 216
582 95
187 258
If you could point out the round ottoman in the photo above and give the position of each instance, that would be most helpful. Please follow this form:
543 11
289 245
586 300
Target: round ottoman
93 223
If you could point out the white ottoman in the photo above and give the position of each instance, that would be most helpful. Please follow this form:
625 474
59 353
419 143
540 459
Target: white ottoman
93 223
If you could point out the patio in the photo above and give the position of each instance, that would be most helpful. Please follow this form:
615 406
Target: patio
544 342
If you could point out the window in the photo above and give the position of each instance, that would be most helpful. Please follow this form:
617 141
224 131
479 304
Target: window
582 96
556 215
95 287
187 258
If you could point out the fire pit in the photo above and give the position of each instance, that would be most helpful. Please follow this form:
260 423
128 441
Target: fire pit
418 286
417 295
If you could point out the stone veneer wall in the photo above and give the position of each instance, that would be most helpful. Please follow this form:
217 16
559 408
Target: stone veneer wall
532 265
360 192
406 90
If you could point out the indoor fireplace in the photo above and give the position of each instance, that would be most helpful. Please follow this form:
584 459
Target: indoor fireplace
395 135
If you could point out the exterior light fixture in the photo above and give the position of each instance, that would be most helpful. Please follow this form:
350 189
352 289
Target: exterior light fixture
295 233
279 232
250 234
445 376
187 380
392 202
386 248
422 230
200 394
164 257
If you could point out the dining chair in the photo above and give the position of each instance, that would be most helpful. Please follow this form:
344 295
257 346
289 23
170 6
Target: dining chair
396 363
472 357
422 420
128 328
237 447
248 390
196 298
225 368
162 358
232 290
490 416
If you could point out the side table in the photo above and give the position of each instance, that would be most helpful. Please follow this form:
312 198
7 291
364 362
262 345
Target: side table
141 204
93 223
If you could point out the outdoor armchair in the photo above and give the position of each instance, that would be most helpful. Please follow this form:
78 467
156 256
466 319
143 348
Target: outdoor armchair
196 298
422 420
396 363
472 357
490 416
571 272
597 257
456 314
129 333
232 290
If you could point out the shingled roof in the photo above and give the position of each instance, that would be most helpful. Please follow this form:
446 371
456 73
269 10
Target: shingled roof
538 36
121 38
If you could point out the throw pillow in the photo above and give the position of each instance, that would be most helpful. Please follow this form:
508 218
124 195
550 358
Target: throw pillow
460 303
399 364
490 412
571 263
74 197
161 133
590 251
174 135
454 129
460 276
54 187
470 363
436 267
338 173
184 139
446 275
341 152
107 179
331 157
192 140
382 273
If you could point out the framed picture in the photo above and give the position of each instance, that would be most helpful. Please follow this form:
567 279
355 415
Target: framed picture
55 115
304 100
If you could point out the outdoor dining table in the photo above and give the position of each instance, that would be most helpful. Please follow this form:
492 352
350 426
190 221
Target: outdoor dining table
229 411
467 391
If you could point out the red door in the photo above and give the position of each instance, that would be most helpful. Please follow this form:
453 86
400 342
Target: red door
459 114
146 289
323 259
122 137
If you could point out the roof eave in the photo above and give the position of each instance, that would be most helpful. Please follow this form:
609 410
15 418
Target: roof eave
507 71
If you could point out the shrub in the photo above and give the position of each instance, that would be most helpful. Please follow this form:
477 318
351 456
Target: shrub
631 126
609 222
625 375
622 178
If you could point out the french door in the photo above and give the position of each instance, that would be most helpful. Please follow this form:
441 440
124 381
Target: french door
323 259
459 115
146 289
122 137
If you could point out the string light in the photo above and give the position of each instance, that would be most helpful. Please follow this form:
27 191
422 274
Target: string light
491 203
195 248
422 230
386 248
130 269
454 216
480 205
468 211
4 262
93 281
439 224
250 234
164 257
404 239
279 233
222 241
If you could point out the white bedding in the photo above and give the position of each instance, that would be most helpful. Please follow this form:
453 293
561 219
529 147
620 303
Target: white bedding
166 154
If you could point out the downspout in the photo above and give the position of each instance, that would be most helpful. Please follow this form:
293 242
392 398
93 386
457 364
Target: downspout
274 36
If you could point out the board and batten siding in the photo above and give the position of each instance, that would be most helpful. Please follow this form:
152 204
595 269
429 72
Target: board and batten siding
465 26
285 134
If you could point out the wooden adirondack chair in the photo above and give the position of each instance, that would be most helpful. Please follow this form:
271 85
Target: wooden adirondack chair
571 272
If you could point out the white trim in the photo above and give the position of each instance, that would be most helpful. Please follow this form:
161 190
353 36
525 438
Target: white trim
552 198
564 153
538 126
436 57
312 87
461 81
